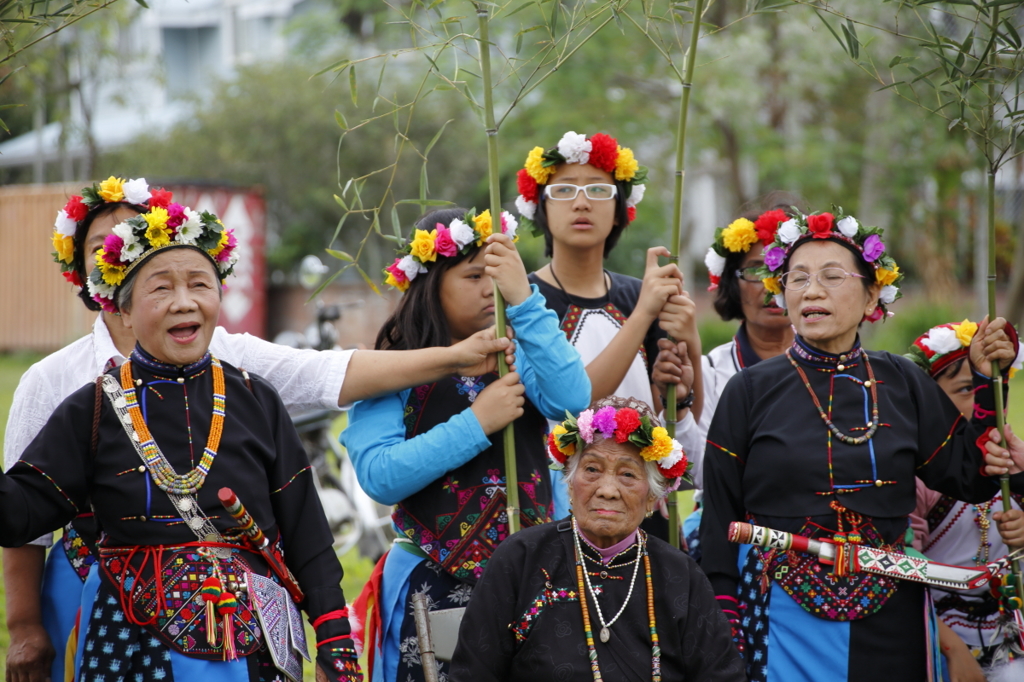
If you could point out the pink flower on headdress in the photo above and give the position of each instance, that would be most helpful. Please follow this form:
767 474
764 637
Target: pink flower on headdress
604 421
873 248
105 303
585 424
397 272
443 243
112 246
175 216
875 315
75 209
225 253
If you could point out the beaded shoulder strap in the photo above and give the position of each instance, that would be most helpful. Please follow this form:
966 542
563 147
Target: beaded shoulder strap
187 505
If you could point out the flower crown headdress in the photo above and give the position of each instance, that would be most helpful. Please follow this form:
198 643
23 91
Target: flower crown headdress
867 241
455 239
111 191
624 424
601 151
738 237
942 345
141 236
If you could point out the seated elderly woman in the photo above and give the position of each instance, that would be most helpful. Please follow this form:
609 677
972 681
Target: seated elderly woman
180 591
593 597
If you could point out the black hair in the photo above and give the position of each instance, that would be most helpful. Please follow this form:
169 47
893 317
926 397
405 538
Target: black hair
622 190
419 320
81 232
728 303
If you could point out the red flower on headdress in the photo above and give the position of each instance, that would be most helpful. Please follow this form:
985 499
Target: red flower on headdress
527 185
820 225
175 216
767 224
604 150
72 277
627 420
631 213
553 450
715 279
875 315
75 209
112 246
160 197
678 470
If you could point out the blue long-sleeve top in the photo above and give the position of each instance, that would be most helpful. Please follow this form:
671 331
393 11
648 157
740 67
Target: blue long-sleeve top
391 468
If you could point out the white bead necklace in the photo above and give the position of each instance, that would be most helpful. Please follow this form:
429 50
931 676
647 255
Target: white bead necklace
605 633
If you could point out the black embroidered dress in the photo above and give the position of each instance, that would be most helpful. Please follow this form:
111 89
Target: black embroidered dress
525 622
260 457
770 459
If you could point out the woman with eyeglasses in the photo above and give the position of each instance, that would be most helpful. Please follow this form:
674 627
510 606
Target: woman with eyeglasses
580 195
825 441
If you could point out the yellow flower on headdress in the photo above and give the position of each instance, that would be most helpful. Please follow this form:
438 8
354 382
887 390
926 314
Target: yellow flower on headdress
965 331
112 189
64 246
625 165
660 448
739 235
422 246
535 166
772 285
567 450
221 243
483 225
157 217
392 282
112 274
886 277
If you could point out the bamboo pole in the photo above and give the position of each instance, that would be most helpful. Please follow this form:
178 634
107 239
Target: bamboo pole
511 475
997 375
677 219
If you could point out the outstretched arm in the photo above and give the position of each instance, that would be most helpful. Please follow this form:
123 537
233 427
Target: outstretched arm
30 653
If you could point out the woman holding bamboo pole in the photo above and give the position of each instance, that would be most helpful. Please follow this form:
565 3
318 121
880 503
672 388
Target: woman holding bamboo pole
581 195
826 441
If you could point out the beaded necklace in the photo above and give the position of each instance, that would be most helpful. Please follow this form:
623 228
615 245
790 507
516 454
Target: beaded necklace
871 384
583 579
983 522
163 474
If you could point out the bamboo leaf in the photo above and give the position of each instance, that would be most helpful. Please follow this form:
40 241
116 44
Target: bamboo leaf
519 9
327 282
850 31
339 118
1011 35
831 30
425 202
337 229
424 185
396 226
339 65
437 136
4 126
895 60
340 202
370 282
341 255
353 86
143 3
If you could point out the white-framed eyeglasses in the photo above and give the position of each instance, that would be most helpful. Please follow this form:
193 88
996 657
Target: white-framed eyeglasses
598 191
830 278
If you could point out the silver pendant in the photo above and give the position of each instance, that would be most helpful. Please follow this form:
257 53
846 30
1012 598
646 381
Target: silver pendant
605 635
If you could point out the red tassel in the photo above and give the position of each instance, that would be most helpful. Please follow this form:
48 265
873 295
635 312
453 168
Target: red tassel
226 607
211 591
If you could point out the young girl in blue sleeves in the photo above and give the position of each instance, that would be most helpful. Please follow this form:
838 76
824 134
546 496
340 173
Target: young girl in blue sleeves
435 451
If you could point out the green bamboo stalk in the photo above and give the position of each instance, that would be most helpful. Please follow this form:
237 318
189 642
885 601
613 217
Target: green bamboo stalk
997 375
511 475
677 219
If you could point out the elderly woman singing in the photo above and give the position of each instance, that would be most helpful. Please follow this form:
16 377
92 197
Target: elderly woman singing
180 591
593 597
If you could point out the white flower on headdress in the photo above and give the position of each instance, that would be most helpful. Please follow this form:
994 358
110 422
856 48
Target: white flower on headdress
64 224
137 191
888 294
509 224
848 226
672 458
191 228
101 288
780 301
941 340
575 148
789 231
462 233
636 195
527 209
715 263
411 267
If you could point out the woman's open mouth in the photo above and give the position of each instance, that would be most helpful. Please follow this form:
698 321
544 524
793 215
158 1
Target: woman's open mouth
185 332
812 314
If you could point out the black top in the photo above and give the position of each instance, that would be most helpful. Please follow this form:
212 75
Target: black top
768 449
525 622
623 293
260 457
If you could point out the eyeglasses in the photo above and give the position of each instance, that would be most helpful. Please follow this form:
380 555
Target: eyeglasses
830 278
598 191
749 274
